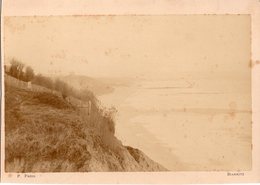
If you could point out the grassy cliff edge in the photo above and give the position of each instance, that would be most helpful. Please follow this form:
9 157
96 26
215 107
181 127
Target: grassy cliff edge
45 133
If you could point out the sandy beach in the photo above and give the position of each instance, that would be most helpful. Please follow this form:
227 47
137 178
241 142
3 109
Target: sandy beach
186 128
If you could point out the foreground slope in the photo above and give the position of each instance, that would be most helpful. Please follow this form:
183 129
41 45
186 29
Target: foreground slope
45 133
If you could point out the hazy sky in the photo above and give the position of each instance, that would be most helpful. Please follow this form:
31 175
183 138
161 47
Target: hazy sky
132 46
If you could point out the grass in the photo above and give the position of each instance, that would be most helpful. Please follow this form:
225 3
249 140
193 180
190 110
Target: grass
44 132
52 100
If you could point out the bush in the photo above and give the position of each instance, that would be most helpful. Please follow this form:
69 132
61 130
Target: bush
52 100
62 87
109 116
43 81
29 74
16 69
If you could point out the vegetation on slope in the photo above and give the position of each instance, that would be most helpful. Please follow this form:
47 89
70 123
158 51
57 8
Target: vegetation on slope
98 87
45 133
25 73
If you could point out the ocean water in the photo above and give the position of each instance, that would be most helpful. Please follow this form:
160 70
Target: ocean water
186 126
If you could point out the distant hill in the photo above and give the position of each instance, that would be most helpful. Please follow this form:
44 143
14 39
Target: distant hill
97 86
117 81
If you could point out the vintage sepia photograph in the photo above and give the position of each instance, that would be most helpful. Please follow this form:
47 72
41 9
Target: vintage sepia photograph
127 93
130 92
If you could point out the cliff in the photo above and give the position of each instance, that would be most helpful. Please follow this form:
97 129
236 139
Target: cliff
46 133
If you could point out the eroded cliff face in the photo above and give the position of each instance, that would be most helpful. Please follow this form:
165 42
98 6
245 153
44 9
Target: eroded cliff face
124 159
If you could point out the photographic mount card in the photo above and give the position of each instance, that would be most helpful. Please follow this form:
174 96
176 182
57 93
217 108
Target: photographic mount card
147 91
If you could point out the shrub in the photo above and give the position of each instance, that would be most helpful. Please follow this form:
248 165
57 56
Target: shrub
52 100
109 118
43 81
16 69
29 74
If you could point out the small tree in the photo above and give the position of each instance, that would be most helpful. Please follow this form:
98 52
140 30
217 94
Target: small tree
62 87
29 74
16 69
